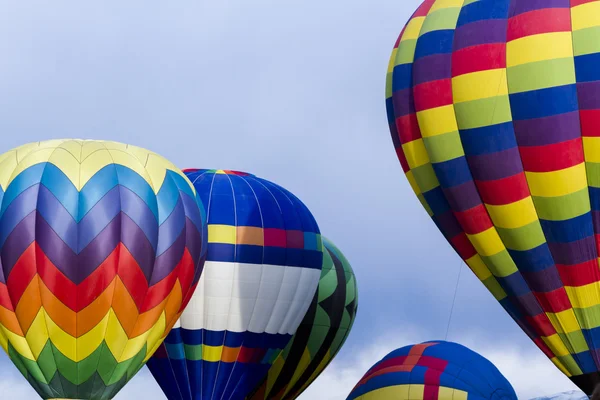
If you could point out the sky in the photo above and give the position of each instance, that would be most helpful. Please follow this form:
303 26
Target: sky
290 91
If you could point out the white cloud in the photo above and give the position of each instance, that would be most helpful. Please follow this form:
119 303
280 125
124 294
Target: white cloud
528 370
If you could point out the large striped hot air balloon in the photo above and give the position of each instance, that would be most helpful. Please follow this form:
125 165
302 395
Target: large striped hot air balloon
494 110
101 247
264 261
321 334
433 370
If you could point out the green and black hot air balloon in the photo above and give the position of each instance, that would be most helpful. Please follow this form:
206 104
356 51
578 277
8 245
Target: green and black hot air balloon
321 334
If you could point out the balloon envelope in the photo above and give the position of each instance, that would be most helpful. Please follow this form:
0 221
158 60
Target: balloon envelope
101 246
264 261
321 334
433 370
494 109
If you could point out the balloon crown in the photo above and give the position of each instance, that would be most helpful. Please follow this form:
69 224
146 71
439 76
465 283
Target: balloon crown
217 171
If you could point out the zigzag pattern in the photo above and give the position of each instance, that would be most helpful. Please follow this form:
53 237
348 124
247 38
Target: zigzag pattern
101 248
321 334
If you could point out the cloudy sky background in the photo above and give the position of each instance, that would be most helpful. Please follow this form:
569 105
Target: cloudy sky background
291 91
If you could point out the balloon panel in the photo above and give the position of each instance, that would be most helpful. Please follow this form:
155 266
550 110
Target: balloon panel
321 334
493 110
101 246
433 370
264 260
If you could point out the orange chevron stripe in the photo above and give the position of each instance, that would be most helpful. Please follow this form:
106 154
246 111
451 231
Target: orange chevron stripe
28 308
9 320
62 315
124 307
173 305
91 316
146 320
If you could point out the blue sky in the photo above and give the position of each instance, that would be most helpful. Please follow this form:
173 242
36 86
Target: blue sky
291 91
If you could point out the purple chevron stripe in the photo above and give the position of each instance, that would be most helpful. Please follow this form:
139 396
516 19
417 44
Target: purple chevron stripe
193 240
19 208
171 228
119 199
167 261
58 217
16 243
2 278
78 267
138 245
139 212
192 211
96 220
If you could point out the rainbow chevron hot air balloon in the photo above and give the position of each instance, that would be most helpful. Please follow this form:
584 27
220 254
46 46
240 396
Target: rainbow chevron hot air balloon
101 247
265 255
321 334
494 110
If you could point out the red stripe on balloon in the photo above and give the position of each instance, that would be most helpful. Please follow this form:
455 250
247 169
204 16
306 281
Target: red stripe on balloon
554 301
5 298
590 122
408 128
21 274
474 220
433 94
535 22
552 157
463 246
541 324
482 57
503 191
579 274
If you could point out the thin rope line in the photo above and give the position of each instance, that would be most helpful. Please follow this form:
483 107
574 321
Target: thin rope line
460 267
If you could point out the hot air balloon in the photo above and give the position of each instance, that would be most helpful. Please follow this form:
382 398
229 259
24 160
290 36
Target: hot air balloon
265 255
494 110
433 370
321 334
101 247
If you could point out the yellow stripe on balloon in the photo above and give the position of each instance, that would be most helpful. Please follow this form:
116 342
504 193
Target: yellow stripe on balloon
513 215
38 333
211 353
221 234
555 343
102 158
584 296
487 243
154 336
61 158
479 85
591 148
566 321
478 267
416 154
585 15
437 121
547 46
19 343
557 183
413 28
